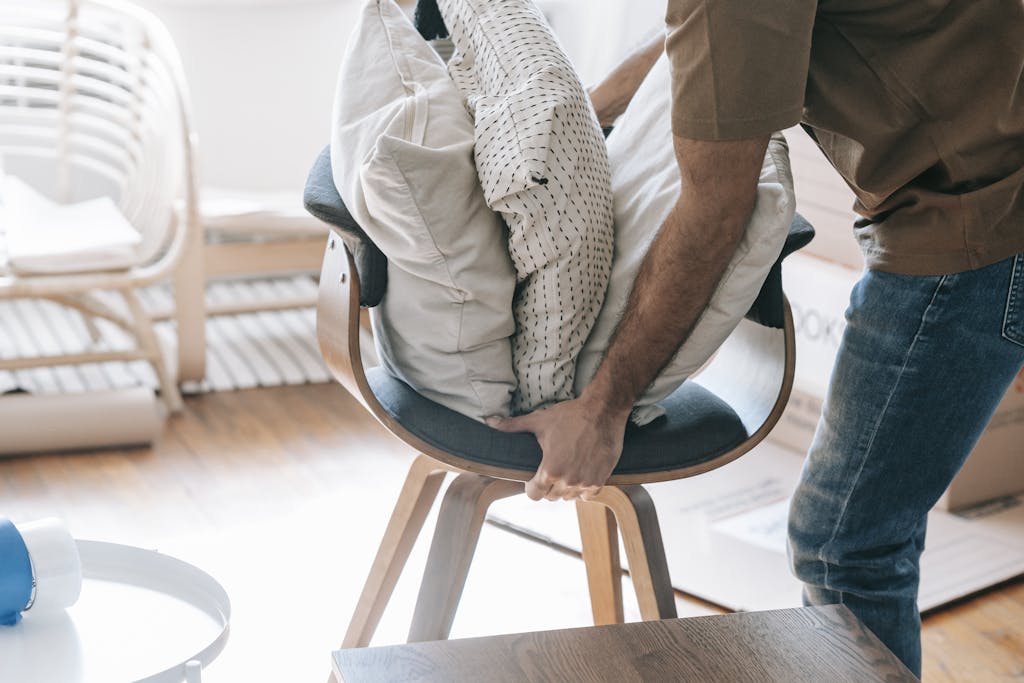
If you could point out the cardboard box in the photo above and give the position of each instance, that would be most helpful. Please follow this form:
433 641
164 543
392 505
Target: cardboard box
819 294
995 467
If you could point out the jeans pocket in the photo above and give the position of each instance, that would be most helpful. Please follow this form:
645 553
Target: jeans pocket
1013 322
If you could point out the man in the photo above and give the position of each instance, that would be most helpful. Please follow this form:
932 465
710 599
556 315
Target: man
919 104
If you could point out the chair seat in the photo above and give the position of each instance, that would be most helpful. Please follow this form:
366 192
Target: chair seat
696 428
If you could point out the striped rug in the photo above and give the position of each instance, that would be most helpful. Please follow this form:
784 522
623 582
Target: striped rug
247 350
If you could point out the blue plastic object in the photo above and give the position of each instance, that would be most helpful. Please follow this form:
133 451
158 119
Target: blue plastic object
15 574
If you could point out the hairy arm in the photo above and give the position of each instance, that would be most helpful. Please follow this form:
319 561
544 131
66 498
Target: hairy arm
682 267
582 439
613 94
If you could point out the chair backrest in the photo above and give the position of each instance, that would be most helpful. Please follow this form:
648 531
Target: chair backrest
753 371
93 102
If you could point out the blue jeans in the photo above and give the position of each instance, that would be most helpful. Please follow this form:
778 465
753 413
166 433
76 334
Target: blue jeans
922 366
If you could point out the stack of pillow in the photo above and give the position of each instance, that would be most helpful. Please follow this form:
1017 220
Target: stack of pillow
402 159
423 159
543 165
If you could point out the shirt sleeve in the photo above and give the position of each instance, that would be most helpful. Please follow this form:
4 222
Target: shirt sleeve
739 67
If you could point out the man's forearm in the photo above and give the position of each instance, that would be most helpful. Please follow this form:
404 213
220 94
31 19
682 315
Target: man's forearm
582 439
613 94
682 268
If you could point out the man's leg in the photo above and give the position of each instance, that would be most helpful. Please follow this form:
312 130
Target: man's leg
923 364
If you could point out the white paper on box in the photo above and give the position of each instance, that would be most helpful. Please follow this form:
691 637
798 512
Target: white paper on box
763 527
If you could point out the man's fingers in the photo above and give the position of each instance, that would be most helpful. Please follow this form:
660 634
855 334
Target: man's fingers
581 492
557 492
555 486
544 486
538 487
548 487
522 423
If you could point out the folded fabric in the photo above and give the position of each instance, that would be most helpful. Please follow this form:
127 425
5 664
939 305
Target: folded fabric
646 182
543 165
402 161
44 237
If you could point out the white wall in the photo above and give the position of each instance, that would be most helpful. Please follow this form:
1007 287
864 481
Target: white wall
262 78
262 73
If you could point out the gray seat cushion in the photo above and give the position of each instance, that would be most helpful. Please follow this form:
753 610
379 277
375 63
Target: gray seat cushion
697 427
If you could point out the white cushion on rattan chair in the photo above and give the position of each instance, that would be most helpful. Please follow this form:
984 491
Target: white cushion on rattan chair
46 238
543 164
646 181
402 159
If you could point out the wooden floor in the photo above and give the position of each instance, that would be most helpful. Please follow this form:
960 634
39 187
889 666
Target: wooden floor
302 469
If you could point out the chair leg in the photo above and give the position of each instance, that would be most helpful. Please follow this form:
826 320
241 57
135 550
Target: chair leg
462 514
634 511
414 502
600 539
150 347
95 336
190 306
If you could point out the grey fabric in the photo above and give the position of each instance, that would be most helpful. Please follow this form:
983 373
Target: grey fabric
697 427
768 307
321 199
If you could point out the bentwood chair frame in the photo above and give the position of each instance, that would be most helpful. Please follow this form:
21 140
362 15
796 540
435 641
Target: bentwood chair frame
753 372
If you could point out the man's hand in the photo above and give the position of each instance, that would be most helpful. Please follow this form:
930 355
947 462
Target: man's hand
582 439
581 442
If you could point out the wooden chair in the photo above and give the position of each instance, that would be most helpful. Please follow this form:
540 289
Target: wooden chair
710 421
93 102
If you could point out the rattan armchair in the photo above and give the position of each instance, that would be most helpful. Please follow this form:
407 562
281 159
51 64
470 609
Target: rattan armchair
93 102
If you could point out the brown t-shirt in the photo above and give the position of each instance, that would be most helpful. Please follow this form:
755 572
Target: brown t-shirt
919 104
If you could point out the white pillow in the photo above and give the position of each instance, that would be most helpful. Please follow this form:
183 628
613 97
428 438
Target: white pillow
544 166
402 159
45 238
646 180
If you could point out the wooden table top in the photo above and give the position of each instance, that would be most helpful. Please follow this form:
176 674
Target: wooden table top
812 644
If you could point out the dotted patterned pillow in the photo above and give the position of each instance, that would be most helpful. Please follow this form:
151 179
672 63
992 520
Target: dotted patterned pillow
543 165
